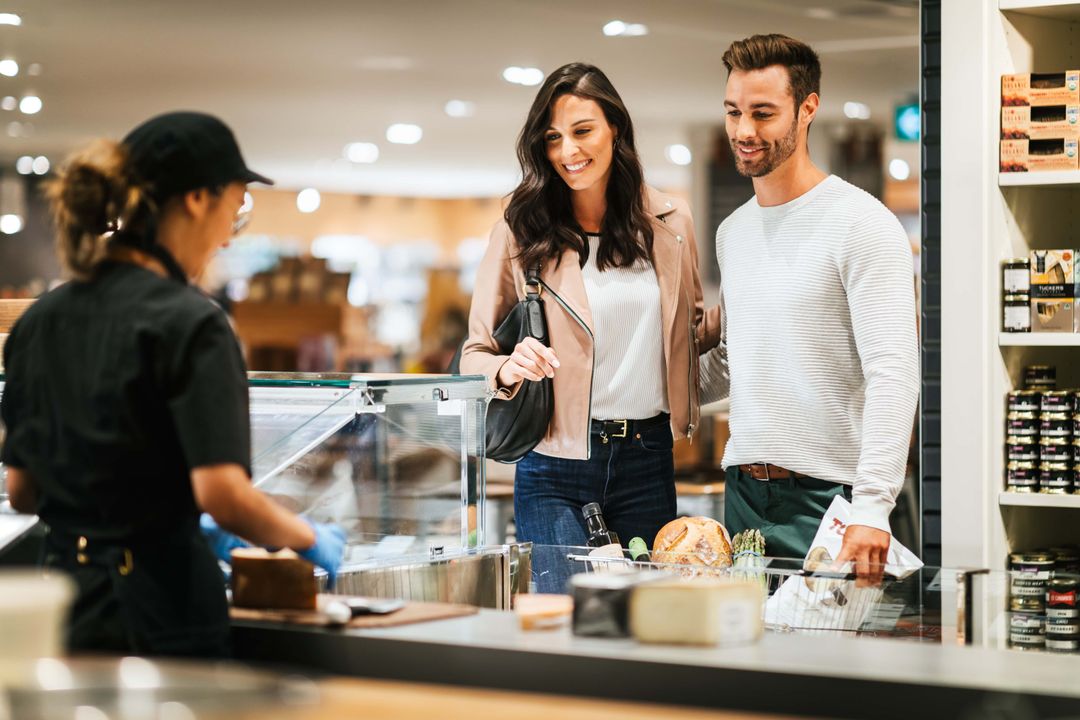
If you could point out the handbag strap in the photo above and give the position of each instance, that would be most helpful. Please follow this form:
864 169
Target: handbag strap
532 281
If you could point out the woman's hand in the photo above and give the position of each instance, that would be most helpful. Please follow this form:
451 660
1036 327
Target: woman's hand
531 360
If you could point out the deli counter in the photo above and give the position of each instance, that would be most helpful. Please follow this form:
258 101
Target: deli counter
398 462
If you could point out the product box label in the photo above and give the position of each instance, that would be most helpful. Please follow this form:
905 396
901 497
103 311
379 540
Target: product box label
1052 315
1040 123
1038 155
1056 268
1038 89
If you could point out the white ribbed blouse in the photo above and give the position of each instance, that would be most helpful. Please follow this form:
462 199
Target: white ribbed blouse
820 345
629 380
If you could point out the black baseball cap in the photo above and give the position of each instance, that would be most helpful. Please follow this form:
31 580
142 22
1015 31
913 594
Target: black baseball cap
179 152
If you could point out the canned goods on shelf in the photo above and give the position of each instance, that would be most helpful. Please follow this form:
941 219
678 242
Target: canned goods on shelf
1062 627
1022 449
1055 450
1067 559
1015 275
1062 645
1024 424
1058 401
1027 631
1061 599
1040 377
1016 314
1025 401
1058 425
1026 604
1030 574
1055 478
1022 477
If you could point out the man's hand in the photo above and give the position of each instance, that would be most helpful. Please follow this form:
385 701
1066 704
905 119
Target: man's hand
867 548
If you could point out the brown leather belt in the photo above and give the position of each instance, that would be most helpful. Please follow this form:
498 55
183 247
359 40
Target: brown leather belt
766 471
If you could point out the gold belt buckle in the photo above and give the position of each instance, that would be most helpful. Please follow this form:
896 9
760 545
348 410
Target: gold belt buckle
621 434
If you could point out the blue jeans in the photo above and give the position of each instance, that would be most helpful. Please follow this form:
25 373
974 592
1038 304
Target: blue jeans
631 478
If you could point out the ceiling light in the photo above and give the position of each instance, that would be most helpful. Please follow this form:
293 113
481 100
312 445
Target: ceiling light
10 19
14 129
9 103
899 170
616 28
34 69
10 224
678 154
308 200
362 152
30 104
404 133
820 13
24 165
460 108
523 76
9 68
856 110
41 165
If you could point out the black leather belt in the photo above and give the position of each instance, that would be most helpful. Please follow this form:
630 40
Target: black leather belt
613 429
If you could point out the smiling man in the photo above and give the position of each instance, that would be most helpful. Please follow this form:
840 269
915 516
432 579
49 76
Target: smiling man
820 353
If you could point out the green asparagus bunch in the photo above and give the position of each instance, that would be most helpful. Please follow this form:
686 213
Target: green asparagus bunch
748 548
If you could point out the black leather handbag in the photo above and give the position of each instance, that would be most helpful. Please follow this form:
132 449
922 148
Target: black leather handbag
517 425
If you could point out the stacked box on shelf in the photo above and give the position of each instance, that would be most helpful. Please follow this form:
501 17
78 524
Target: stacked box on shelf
1052 290
1040 121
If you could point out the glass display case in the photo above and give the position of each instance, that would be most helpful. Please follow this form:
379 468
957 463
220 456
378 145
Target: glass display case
397 460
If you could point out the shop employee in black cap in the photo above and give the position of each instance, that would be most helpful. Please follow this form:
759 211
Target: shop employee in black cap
126 402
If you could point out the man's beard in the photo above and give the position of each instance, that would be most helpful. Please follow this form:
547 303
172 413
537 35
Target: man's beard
773 155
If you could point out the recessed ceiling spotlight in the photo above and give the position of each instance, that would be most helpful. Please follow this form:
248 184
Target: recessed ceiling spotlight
820 13
856 110
678 154
10 19
24 165
34 69
10 102
9 68
899 170
527 76
308 200
41 165
460 108
404 133
10 224
362 152
30 104
617 28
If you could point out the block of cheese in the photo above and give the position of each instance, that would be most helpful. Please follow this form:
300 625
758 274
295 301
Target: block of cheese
279 580
602 601
697 611
543 612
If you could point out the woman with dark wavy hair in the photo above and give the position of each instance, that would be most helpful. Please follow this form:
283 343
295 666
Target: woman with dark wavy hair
618 270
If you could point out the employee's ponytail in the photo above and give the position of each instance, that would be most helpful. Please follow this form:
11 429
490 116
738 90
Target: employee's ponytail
93 195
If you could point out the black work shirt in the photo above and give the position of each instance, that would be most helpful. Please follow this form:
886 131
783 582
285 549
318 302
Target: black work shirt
116 388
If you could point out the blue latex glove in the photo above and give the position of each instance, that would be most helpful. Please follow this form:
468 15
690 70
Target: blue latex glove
221 542
328 550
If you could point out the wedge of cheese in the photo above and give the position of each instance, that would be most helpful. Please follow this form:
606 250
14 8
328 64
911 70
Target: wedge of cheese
697 611
543 612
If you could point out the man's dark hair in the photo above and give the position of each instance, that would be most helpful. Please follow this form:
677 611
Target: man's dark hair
761 51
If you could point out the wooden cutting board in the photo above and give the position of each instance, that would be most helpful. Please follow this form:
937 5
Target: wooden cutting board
413 612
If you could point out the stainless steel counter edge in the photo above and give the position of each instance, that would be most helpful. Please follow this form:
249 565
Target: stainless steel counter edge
822 675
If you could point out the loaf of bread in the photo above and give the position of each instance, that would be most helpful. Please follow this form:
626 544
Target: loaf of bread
693 541
272 580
